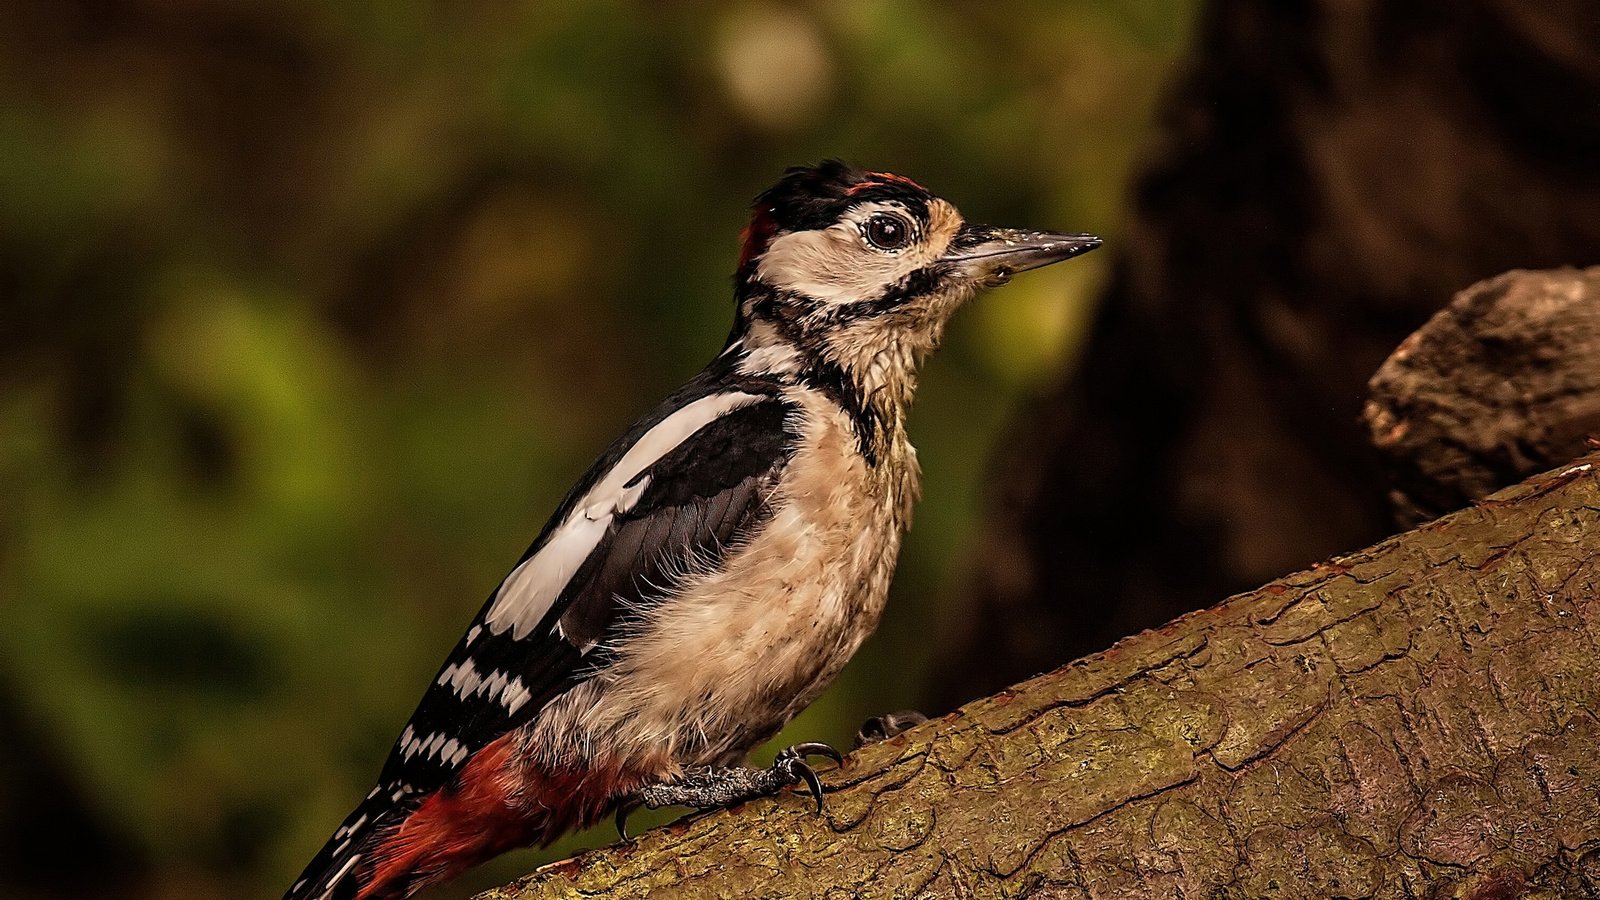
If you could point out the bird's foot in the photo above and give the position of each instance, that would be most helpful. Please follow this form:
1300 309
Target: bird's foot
881 728
710 787
706 787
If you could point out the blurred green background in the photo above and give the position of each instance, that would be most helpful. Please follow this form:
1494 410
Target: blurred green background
311 311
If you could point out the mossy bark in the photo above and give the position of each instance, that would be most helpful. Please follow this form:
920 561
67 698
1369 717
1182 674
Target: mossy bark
1416 719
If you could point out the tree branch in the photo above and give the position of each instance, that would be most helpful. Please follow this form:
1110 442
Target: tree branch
1414 719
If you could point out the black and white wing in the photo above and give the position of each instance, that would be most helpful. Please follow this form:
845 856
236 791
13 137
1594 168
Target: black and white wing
687 486
682 486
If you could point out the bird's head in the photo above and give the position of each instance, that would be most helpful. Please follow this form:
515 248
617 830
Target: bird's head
858 272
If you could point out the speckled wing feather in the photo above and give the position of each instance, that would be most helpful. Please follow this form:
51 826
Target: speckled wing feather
702 494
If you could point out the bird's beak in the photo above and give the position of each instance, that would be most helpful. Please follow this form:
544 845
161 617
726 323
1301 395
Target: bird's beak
992 255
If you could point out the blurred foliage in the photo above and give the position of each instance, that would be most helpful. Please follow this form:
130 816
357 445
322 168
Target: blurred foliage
310 312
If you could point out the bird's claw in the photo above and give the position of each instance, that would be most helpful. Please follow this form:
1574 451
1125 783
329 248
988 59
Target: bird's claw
791 762
625 809
888 725
797 770
811 748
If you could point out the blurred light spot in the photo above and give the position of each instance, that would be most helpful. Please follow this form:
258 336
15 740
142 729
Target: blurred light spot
776 65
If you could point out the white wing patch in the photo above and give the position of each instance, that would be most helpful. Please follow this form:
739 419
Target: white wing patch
533 587
339 876
462 677
515 694
352 828
450 751
467 682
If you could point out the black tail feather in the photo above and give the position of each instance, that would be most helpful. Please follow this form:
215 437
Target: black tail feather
338 869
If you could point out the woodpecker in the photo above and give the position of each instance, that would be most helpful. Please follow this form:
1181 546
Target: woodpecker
714 570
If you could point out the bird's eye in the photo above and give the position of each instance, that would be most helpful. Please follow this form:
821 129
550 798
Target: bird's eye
888 232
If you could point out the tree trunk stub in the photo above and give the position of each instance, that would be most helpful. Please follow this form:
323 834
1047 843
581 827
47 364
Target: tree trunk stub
1502 383
1416 719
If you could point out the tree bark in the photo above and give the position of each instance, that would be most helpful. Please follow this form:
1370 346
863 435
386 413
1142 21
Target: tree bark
1416 719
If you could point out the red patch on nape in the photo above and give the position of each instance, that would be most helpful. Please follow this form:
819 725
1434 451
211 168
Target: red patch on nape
497 805
757 235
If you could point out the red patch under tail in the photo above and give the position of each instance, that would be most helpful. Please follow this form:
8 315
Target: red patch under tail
495 805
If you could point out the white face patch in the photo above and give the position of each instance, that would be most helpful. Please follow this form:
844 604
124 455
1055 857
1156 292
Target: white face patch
532 588
838 264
